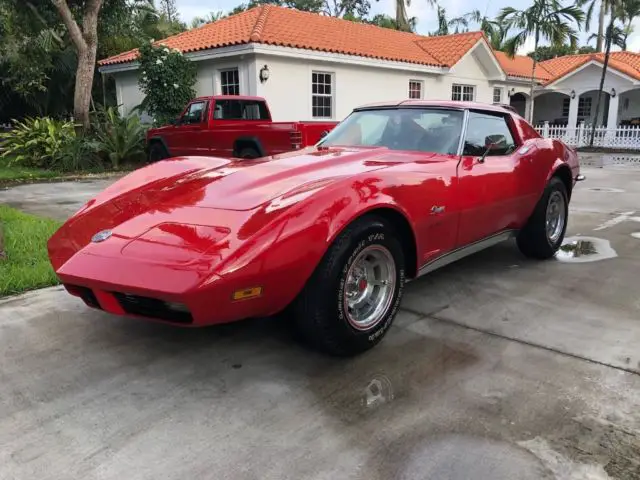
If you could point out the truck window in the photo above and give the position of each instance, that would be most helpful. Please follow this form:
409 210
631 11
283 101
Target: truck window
194 113
240 110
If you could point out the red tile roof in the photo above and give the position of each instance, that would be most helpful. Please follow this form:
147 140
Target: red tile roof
551 70
292 28
625 62
287 27
520 66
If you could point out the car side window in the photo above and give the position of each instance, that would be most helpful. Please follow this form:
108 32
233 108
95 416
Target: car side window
488 131
194 113
240 110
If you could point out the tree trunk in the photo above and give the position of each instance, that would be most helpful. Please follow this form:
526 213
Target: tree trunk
86 44
533 75
84 85
603 10
604 74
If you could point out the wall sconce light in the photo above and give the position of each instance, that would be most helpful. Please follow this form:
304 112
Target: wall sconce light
613 92
573 94
264 74
511 92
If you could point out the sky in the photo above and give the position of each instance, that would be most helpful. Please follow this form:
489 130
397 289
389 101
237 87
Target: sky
425 14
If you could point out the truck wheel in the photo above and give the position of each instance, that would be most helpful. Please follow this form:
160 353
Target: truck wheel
543 234
157 152
249 153
350 301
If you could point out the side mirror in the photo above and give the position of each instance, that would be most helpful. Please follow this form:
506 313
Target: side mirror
174 121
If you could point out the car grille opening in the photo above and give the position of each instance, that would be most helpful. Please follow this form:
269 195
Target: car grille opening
87 295
152 308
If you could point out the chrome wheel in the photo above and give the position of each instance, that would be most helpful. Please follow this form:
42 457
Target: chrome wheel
369 287
556 216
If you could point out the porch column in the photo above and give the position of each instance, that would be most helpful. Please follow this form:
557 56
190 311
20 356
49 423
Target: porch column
612 118
573 112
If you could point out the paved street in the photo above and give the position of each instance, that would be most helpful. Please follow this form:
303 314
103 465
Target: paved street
497 368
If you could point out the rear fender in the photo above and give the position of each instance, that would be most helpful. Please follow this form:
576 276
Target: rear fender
248 142
161 140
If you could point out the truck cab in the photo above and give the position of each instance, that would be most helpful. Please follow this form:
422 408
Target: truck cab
231 126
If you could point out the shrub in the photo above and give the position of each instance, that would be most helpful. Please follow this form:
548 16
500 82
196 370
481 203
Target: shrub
80 154
116 138
167 79
37 142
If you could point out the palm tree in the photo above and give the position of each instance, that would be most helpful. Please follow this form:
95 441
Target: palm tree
403 22
613 7
495 31
544 20
628 11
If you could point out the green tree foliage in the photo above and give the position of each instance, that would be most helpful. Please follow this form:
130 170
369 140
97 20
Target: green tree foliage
167 79
349 9
38 61
543 20
548 52
169 10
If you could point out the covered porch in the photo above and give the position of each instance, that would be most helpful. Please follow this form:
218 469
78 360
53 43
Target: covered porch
566 108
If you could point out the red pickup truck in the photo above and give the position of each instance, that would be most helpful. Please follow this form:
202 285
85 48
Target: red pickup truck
231 126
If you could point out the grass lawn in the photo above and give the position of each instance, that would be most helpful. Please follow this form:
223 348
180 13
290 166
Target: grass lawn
22 174
27 266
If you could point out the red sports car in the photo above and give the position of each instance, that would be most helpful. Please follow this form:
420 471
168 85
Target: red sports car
329 234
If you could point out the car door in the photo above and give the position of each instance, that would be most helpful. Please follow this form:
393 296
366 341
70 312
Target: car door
188 137
488 197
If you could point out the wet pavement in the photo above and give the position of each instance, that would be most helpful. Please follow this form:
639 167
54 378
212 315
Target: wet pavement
57 200
497 367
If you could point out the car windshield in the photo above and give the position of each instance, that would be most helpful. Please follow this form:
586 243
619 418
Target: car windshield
419 129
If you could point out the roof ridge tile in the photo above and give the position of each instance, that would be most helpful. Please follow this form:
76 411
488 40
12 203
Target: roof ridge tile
261 21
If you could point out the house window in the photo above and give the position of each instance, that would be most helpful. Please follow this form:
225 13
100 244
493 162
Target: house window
584 107
230 82
497 95
415 89
465 93
322 95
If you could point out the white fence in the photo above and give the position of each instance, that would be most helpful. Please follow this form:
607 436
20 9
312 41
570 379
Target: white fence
623 137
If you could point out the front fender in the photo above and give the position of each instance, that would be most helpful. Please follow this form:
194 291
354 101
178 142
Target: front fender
300 233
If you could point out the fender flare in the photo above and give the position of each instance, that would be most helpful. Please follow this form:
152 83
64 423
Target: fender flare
157 138
247 140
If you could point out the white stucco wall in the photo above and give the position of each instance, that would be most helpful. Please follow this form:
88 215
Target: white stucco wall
631 108
288 89
589 79
468 71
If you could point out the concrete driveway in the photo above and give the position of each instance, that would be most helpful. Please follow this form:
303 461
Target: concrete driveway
496 368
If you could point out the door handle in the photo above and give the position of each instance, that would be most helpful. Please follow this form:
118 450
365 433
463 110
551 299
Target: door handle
436 209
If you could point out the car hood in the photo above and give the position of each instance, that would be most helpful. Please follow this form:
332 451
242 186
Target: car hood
247 184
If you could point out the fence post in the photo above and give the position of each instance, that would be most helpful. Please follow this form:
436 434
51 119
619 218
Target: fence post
545 129
580 139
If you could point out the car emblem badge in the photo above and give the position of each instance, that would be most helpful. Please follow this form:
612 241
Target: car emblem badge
101 236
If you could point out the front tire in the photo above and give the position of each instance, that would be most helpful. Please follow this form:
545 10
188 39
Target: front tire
543 234
352 298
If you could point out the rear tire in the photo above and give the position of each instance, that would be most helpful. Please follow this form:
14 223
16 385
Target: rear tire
543 234
249 153
352 298
157 152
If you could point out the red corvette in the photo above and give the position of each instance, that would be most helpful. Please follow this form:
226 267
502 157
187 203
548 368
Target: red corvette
329 234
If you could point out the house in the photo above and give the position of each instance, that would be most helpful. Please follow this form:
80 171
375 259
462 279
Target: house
321 67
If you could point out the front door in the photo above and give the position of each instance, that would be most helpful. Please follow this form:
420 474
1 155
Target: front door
188 138
489 199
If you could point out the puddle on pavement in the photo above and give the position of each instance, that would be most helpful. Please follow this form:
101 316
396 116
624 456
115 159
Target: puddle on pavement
585 249
605 189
